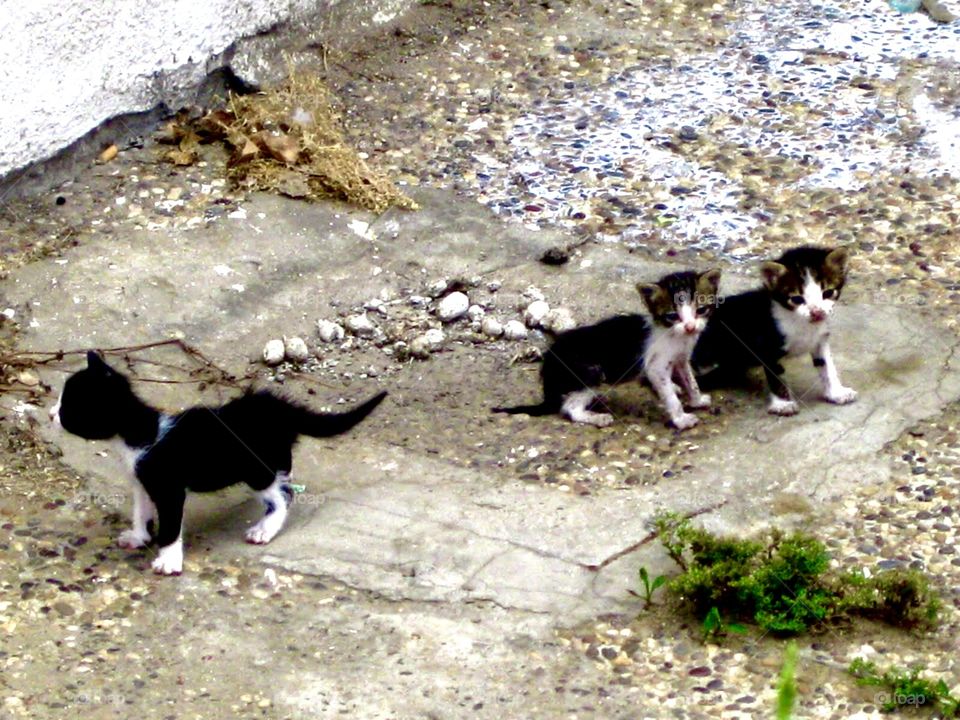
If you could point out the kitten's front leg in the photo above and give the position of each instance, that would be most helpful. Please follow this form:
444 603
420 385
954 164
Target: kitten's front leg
662 381
143 512
695 399
833 389
781 401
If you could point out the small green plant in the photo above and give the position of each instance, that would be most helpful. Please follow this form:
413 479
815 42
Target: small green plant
906 689
648 586
782 582
787 685
714 628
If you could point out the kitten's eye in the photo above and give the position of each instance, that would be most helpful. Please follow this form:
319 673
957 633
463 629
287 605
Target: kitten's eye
704 310
797 300
829 294
671 317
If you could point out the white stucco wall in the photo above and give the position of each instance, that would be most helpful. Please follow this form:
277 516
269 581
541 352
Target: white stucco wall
69 65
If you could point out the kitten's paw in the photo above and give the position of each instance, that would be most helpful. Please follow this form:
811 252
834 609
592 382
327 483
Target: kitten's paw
602 420
170 560
840 396
699 402
779 406
685 421
132 539
259 534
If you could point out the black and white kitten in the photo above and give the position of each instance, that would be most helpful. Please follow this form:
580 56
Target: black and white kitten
787 317
624 347
250 440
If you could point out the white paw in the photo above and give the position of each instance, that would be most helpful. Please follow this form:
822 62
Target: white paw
840 396
169 561
779 406
602 420
685 421
132 539
700 402
263 532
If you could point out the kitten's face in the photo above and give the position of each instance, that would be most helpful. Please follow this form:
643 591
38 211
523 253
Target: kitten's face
807 281
682 302
90 401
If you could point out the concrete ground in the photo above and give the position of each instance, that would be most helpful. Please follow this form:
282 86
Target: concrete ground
442 561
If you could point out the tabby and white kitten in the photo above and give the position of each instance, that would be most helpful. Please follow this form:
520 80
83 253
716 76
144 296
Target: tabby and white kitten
787 317
624 347
202 449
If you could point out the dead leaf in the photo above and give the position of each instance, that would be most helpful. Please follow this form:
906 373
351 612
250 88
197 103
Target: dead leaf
108 154
280 147
180 157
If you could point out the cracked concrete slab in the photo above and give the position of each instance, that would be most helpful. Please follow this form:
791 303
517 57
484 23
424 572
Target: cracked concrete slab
412 526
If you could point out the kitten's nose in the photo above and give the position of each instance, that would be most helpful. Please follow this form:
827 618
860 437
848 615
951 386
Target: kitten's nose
690 328
817 314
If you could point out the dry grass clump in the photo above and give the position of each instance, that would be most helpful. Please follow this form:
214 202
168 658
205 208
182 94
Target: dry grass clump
288 140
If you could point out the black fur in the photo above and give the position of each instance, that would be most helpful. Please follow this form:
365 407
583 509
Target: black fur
249 440
610 351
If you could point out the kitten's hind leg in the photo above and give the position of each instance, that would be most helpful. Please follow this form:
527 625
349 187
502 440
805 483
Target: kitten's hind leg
143 512
695 398
276 498
169 560
575 408
833 389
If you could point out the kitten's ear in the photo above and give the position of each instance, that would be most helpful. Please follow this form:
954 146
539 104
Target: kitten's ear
837 260
771 273
648 291
710 278
96 362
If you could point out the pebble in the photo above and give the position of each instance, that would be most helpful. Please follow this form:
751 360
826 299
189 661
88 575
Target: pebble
476 313
491 327
558 320
453 306
330 331
273 352
361 325
535 313
295 349
431 341
515 330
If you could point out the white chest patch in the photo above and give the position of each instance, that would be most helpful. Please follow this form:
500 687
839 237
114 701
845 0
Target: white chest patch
668 347
800 335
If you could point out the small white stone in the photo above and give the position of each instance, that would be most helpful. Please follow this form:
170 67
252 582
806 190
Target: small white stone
273 352
330 331
295 349
494 285
453 306
475 312
533 293
558 320
361 325
422 345
491 327
437 287
535 313
418 300
376 305
514 330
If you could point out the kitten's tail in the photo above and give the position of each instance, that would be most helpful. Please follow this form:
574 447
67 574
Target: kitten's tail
545 408
326 424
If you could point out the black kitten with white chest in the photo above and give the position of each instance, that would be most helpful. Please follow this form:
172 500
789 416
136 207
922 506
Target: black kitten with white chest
625 347
787 317
249 440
